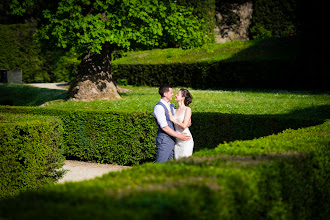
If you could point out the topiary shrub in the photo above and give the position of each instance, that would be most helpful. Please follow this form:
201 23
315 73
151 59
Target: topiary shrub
30 152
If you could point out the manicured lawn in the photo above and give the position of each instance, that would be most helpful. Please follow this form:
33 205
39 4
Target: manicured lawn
266 102
23 95
234 51
297 104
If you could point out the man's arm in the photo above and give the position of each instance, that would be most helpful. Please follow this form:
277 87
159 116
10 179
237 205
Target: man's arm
171 132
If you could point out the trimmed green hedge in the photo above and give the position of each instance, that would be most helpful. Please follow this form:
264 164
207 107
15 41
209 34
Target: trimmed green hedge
275 63
103 136
283 185
270 74
30 153
245 74
128 138
210 129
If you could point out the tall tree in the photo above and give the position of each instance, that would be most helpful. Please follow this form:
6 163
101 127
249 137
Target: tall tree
96 28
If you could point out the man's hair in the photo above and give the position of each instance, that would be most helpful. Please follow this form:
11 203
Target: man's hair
163 89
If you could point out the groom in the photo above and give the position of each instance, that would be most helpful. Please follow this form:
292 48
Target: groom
166 134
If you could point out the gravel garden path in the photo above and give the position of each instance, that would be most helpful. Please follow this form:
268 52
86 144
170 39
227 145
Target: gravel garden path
79 171
60 86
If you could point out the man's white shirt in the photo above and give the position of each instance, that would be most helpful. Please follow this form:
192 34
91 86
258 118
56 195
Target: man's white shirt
159 113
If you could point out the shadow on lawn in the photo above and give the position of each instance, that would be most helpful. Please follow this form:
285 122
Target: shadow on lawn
22 95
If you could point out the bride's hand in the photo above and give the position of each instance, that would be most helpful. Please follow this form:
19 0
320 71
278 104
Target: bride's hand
171 116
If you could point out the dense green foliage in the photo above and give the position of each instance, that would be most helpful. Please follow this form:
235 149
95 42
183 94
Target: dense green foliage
18 50
102 136
127 138
95 26
204 10
286 141
210 129
90 32
290 184
276 18
30 152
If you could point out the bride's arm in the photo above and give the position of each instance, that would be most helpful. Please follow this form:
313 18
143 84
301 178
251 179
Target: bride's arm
186 121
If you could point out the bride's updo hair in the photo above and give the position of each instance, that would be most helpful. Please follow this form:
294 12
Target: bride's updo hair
187 96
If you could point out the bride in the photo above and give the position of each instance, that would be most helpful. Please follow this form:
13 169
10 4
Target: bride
181 120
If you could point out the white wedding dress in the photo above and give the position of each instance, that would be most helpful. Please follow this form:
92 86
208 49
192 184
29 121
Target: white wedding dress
182 148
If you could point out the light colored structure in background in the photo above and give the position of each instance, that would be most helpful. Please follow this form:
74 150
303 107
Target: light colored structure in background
238 31
14 76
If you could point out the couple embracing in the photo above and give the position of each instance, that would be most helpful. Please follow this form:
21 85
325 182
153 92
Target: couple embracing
173 136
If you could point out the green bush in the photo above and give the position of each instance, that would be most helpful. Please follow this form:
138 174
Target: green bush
18 50
61 66
286 184
30 152
275 18
103 136
204 10
210 129
289 140
258 31
304 173
126 138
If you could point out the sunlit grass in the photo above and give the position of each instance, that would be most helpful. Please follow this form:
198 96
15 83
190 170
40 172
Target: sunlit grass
230 102
247 102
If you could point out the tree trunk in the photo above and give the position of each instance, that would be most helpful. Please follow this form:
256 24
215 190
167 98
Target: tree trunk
94 79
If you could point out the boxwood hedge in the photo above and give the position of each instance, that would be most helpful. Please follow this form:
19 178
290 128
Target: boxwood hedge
30 152
275 74
126 138
283 183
